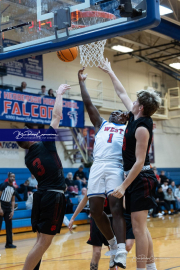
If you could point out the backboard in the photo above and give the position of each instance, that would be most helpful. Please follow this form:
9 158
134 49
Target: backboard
91 20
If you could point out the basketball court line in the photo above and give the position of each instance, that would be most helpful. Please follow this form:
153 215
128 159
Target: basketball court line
173 268
59 258
54 260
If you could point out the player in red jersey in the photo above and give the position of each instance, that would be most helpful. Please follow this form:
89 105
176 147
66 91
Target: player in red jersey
140 183
49 201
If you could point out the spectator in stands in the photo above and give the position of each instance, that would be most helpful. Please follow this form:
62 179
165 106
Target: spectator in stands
173 187
12 176
80 177
164 186
163 177
7 196
24 188
50 93
24 87
32 181
159 196
69 179
170 199
71 187
156 174
43 91
177 196
69 204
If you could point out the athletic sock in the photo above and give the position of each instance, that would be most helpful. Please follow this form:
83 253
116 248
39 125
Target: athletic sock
151 266
121 246
112 241
140 268
37 266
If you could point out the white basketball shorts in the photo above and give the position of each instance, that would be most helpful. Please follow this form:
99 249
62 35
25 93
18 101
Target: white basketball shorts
104 177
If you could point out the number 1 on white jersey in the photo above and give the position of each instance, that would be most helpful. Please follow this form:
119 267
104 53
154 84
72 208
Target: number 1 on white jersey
110 138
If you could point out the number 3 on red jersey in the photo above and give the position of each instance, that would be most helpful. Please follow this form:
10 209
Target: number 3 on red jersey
110 138
37 163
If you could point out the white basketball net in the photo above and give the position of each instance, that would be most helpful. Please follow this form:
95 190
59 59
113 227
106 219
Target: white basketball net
92 54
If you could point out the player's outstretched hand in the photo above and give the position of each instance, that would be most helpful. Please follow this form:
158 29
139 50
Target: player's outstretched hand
106 66
81 76
71 224
119 192
62 89
123 117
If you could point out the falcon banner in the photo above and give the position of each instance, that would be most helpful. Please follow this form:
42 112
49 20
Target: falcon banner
29 108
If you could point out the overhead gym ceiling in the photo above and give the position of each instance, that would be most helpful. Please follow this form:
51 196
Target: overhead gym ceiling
146 44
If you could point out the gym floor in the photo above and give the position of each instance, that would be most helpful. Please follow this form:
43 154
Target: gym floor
70 251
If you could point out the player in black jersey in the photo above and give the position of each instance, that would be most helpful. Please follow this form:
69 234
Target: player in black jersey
49 201
140 183
97 239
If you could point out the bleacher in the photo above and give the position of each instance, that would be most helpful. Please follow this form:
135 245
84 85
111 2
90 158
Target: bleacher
22 174
22 217
171 173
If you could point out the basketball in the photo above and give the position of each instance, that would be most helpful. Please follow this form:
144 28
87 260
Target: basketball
68 55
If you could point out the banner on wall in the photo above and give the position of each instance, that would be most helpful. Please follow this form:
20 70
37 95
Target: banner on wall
31 67
9 150
29 108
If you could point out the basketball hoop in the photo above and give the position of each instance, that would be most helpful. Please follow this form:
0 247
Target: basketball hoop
90 54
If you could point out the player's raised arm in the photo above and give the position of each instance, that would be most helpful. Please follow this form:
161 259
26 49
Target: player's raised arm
119 88
57 110
91 109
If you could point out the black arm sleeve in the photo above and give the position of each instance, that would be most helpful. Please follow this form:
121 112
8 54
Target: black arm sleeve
50 145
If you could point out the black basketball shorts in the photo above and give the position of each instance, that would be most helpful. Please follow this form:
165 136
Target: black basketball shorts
48 212
140 194
97 238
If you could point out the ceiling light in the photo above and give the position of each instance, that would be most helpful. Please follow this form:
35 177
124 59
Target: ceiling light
175 65
120 48
165 10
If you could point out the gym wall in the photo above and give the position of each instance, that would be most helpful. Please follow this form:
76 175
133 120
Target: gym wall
134 76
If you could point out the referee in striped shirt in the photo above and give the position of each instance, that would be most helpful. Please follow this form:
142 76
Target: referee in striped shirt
7 203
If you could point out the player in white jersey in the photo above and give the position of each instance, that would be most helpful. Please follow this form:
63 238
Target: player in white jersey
106 174
107 170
